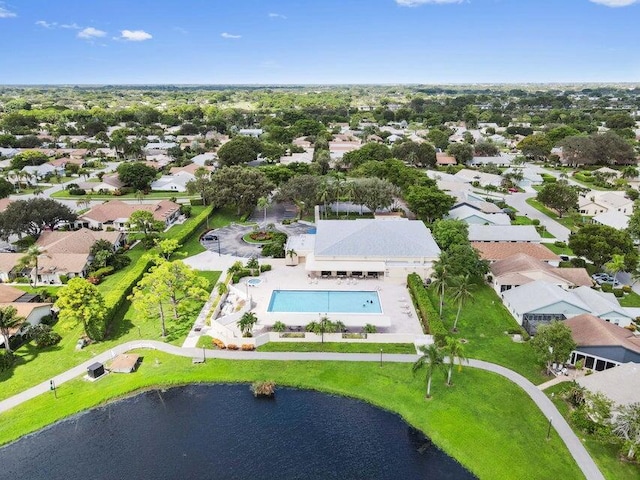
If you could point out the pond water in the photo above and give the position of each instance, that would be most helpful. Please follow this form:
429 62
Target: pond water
223 432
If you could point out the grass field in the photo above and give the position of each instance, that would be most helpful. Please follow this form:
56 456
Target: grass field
631 299
566 221
386 348
483 323
484 421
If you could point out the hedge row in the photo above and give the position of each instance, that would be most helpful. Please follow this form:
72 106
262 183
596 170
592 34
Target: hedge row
429 317
196 223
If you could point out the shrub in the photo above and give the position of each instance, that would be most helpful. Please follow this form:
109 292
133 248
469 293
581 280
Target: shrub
535 222
368 328
77 191
43 335
64 279
279 327
578 262
431 321
47 320
560 244
102 272
196 202
263 389
245 272
232 346
247 347
618 292
218 343
627 289
607 287
186 210
6 361
265 267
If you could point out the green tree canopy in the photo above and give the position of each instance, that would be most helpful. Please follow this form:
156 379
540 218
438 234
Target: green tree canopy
560 196
429 203
80 302
369 151
238 187
136 175
553 343
536 147
462 152
240 149
599 243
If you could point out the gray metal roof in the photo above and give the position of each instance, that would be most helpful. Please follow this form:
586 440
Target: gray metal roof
535 295
503 233
374 239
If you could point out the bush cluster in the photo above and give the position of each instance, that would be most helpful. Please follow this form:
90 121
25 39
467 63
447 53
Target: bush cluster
431 321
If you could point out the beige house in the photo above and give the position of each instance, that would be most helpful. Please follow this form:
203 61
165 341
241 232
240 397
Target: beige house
115 214
33 313
593 204
9 266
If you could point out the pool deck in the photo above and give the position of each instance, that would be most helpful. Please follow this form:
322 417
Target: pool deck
398 314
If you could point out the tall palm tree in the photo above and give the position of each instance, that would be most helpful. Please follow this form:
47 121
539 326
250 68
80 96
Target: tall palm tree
462 291
431 359
441 282
8 319
30 259
324 195
455 351
263 203
350 191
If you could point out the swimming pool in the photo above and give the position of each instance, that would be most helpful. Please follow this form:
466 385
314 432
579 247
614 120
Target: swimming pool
324 301
254 282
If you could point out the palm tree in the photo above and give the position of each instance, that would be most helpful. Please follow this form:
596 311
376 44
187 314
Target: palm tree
139 196
263 203
455 351
629 172
441 282
246 323
615 265
431 359
30 259
325 193
627 426
9 319
350 190
462 291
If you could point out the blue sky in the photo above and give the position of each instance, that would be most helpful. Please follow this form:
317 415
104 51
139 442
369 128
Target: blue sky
318 41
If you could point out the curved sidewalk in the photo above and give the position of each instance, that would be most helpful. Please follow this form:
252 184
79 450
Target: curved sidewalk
577 450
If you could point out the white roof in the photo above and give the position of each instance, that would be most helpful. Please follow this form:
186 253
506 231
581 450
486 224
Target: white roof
503 233
481 177
497 160
599 303
203 157
374 239
535 295
612 218
620 384
464 212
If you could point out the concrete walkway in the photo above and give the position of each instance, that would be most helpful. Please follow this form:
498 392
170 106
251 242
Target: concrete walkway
577 450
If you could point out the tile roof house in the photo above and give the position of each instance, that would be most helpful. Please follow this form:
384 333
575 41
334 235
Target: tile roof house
475 216
109 183
115 214
9 266
388 248
520 269
620 384
173 183
33 313
601 342
594 203
76 241
443 159
494 251
504 233
9 294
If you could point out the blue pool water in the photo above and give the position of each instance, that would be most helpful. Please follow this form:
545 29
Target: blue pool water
324 301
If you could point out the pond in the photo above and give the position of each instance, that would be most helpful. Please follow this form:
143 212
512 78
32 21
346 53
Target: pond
223 432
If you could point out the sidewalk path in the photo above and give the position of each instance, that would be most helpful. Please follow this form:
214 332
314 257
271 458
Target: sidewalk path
577 450
519 202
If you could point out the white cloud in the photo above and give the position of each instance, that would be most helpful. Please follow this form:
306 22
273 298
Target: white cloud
228 35
45 24
135 35
277 15
4 13
90 33
70 26
615 3
417 3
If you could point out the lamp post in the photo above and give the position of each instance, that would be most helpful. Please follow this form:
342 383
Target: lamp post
52 386
204 355
549 428
380 358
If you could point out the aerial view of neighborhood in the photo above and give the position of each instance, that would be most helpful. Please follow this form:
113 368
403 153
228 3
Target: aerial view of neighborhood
393 239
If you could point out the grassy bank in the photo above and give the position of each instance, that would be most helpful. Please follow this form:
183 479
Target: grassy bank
484 421
483 323
338 347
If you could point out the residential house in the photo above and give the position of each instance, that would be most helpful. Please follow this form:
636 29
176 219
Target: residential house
495 251
9 268
621 384
204 158
375 248
604 305
173 183
41 171
504 233
483 179
503 160
8 152
594 203
250 132
33 313
77 241
444 160
158 148
601 344
529 176
520 269
475 216
613 219
115 214
109 183
540 302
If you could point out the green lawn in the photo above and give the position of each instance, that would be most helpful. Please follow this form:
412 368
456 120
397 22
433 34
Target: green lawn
566 221
34 366
559 250
484 421
631 299
605 454
129 196
483 323
338 347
